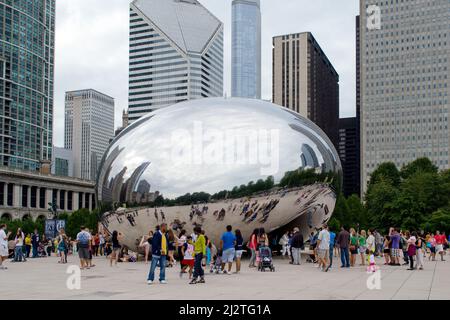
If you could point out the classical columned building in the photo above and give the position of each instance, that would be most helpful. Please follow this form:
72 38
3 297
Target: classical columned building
26 194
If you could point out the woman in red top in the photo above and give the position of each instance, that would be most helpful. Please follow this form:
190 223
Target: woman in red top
440 241
252 245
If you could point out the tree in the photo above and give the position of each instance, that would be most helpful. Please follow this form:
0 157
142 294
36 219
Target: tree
380 205
386 172
420 165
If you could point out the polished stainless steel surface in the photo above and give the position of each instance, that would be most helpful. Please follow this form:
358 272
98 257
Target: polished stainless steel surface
216 161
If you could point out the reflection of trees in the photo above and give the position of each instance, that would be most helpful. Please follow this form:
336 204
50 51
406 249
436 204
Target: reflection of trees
300 177
291 179
246 190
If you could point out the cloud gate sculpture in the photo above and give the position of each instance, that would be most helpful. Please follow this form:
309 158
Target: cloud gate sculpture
217 161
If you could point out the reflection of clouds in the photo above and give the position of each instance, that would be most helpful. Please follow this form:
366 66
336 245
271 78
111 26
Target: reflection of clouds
152 141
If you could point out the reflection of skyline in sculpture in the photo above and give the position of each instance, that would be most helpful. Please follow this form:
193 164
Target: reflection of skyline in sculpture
131 185
145 168
309 158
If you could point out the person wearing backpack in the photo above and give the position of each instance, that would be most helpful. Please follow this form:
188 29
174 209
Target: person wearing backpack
83 239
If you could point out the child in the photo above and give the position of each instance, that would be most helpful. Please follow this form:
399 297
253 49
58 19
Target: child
411 251
371 261
187 250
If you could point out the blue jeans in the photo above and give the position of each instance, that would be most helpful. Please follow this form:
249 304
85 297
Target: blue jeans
162 266
345 259
35 251
331 255
198 270
18 254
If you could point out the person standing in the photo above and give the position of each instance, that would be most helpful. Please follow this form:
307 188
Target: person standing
145 244
159 255
362 247
18 253
28 245
62 246
227 245
332 243
115 239
371 242
101 244
187 252
199 251
440 241
395 247
378 243
239 249
252 244
297 244
181 241
411 250
284 243
83 241
35 243
3 245
343 240
420 253
323 245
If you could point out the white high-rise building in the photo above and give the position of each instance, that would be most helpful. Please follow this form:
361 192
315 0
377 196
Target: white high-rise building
176 54
89 126
405 62
246 49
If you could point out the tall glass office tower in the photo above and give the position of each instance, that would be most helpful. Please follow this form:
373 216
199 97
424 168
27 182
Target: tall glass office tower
176 54
246 49
27 39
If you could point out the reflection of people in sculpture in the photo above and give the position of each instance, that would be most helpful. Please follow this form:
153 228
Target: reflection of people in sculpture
253 218
244 210
221 215
248 214
163 217
156 214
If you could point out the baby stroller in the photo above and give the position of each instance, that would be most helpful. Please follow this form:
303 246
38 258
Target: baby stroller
264 259
216 266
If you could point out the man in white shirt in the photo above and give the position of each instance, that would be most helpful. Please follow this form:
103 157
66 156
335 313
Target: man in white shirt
3 245
323 247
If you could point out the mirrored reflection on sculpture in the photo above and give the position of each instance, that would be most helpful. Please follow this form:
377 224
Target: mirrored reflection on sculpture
213 162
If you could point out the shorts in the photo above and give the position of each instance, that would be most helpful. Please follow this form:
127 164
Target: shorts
388 251
239 254
395 253
322 253
189 263
228 255
433 249
3 251
439 248
83 253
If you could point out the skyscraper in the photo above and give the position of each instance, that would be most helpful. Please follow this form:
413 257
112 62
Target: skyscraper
176 54
27 33
246 49
89 126
349 154
305 81
404 83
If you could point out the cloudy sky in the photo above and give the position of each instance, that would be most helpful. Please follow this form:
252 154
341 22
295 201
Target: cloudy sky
92 45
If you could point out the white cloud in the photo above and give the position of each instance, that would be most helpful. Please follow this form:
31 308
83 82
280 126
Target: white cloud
92 45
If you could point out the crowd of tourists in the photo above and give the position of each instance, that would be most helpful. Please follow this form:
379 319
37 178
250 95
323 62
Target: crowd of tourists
396 248
166 247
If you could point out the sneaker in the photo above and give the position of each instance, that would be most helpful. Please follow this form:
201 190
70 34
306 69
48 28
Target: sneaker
202 280
163 282
225 272
149 282
193 281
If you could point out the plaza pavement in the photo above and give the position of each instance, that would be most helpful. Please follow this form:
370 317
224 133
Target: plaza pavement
44 278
